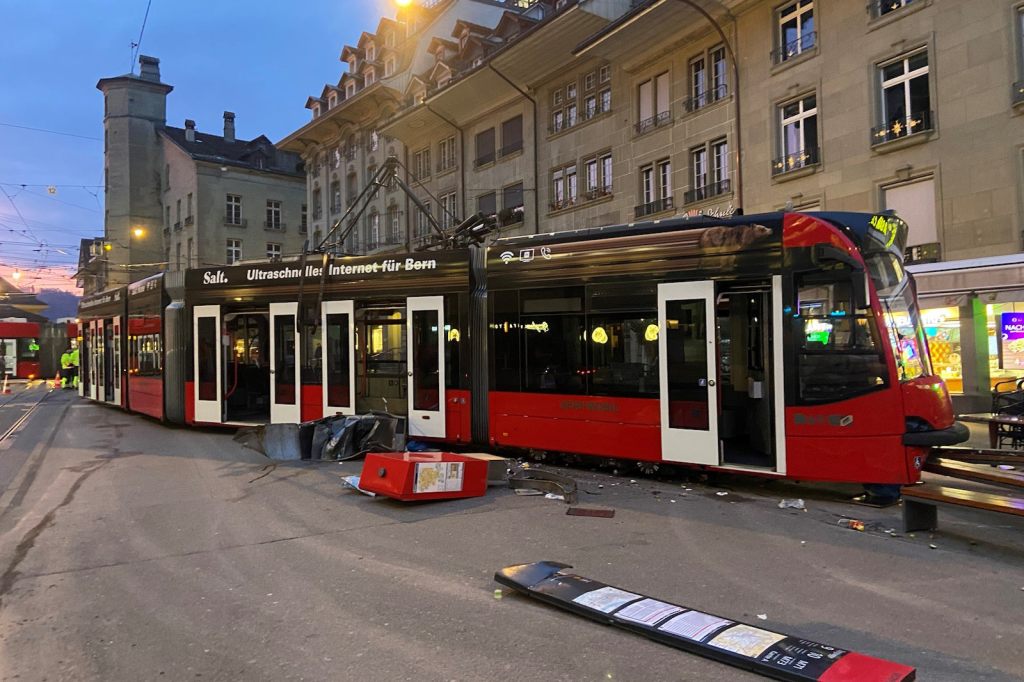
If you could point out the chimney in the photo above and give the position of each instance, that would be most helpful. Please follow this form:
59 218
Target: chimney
229 126
190 130
149 68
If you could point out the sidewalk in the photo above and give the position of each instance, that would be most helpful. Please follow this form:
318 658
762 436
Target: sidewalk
142 552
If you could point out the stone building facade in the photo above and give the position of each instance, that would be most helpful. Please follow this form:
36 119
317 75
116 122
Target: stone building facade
620 111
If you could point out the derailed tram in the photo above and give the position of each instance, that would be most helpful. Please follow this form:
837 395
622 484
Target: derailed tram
780 344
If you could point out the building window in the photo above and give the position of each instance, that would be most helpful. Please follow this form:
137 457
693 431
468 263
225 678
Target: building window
605 98
447 151
557 121
589 81
604 74
332 101
318 204
796 33
556 97
511 204
273 221
487 204
371 53
564 187
167 218
188 209
421 164
369 77
423 227
350 91
484 147
798 135
448 211
177 256
335 197
304 219
273 251
394 226
233 215
373 230
316 111
190 253
389 67
709 171
905 98
655 188
881 8
234 251
707 79
512 136
167 176
914 202
653 103
1018 87
597 176
177 214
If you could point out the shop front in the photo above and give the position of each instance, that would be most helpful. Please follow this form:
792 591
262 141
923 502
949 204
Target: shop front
973 314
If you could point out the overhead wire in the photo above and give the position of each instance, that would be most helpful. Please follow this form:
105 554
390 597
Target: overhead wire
51 132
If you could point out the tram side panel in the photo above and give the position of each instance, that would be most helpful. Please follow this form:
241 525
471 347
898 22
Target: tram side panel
144 347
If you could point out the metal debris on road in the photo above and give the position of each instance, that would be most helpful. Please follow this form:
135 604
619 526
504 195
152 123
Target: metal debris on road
596 512
791 504
852 524
720 493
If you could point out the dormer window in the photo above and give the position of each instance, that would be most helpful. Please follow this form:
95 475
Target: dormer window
369 77
389 67
332 101
350 89
463 38
389 39
371 52
316 111
351 64
444 80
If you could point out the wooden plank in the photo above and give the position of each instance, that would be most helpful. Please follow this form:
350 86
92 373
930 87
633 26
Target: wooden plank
1011 457
941 494
975 472
991 418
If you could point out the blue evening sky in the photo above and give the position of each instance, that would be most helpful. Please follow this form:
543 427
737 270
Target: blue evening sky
258 58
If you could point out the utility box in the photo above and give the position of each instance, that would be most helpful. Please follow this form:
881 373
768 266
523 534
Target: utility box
422 476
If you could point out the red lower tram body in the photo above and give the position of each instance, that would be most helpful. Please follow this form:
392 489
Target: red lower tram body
784 345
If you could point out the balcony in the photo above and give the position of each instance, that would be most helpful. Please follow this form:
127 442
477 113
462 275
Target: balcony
915 124
653 207
708 191
648 124
189 220
703 99
795 161
510 149
484 159
336 207
318 212
1018 92
177 226
273 225
235 221
784 53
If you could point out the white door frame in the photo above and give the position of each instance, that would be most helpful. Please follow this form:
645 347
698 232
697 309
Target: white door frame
94 392
208 411
285 413
777 384
428 423
692 446
115 360
338 308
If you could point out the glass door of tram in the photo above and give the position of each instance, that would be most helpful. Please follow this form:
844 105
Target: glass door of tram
207 361
336 357
94 360
426 366
285 381
688 372
114 351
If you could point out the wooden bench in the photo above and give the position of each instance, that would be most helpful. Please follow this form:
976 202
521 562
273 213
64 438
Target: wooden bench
980 455
975 472
920 504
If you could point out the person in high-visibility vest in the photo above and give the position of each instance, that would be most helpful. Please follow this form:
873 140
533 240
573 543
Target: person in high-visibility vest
65 368
74 366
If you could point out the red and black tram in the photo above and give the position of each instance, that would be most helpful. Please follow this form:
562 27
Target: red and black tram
779 344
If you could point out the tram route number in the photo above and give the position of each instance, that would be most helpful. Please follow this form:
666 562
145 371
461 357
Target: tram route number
588 406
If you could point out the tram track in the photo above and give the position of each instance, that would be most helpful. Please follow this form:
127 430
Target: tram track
15 400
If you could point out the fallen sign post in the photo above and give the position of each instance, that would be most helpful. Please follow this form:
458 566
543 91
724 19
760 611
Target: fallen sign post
422 476
762 651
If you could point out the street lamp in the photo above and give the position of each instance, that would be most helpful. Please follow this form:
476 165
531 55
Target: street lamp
138 232
736 94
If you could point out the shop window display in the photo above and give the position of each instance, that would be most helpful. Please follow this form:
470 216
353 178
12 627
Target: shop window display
942 327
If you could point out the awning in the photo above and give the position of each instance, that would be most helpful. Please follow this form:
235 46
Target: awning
997 279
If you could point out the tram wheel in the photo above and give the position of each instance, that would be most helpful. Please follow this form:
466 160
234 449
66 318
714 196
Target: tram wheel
648 468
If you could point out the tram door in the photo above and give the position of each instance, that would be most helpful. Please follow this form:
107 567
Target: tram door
207 361
336 357
688 372
113 348
426 366
94 360
285 382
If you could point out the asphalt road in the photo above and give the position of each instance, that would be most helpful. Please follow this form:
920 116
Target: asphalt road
132 551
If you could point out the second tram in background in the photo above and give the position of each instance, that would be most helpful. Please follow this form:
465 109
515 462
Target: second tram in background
776 344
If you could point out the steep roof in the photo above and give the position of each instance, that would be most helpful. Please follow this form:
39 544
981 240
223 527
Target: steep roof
258 154
12 296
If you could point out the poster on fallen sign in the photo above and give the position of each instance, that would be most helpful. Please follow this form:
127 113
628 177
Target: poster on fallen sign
438 477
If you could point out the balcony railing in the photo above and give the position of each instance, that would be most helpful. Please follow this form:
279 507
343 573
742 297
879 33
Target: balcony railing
649 124
597 193
560 204
791 162
793 48
484 159
712 189
880 8
1018 92
445 165
335 208
510 149
420 174
189 220
273 225
652 207
235 221
915 124
177 226
318 212
703 99
584 116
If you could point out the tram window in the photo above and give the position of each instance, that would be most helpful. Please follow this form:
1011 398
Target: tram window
622 339
505 340
553 329
28 349
426 379
839 348
207 357
337 351
284 359
452 343
687 339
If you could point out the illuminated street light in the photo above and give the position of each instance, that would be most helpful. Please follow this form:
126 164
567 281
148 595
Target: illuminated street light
403 3
17 274
138 232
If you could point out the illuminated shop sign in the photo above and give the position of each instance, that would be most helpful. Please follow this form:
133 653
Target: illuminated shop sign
1011 341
